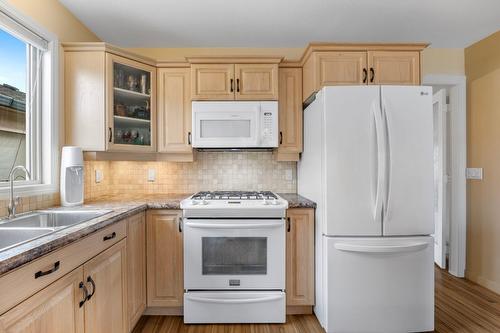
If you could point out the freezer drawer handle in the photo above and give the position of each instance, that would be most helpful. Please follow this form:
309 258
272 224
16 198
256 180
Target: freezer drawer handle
234 225
381 248
235 301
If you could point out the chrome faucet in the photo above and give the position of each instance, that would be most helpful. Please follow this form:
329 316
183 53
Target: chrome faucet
14 202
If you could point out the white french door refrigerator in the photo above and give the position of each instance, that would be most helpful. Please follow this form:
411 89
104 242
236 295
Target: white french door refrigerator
368 164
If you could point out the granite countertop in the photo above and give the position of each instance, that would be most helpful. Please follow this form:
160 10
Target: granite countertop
122 207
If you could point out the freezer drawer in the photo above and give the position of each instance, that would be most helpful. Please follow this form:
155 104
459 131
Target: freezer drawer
234 307
379 284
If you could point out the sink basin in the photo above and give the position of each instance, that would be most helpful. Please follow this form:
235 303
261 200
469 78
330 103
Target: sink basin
10 237
29 226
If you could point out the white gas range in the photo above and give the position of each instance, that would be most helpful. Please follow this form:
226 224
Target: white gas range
234 257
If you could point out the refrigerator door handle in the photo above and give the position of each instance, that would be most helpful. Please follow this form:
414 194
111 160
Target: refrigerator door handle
379 137
380 249
388 159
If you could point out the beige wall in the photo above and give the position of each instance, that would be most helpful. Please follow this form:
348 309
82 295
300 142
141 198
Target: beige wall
56 18
443 61
482 67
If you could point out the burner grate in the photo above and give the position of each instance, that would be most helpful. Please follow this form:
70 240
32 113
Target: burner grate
235 195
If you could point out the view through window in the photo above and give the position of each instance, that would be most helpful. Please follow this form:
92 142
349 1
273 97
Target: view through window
13 111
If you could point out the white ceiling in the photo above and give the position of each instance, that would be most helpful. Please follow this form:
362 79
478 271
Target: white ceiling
286 23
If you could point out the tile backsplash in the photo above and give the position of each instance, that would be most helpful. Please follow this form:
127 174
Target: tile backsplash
210 171
31 203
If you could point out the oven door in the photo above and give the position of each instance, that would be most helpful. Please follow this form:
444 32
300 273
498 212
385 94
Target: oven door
236 254
226 124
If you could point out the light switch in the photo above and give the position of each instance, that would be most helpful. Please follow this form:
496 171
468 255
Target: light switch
151 175
474 173
98 176
288 174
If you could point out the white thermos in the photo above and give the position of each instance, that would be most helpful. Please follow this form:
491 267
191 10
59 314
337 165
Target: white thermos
71 176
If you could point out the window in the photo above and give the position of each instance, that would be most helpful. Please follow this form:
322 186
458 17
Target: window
28 126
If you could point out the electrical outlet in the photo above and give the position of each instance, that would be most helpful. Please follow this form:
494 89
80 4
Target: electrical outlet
98 176
288 174
474 173
151 175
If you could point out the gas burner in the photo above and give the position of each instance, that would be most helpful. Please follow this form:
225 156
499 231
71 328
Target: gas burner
234 195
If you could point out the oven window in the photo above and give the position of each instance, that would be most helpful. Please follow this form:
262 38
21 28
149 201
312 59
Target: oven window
234 255
225 128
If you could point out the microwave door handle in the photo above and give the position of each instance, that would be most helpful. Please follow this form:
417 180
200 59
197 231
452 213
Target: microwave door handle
234 225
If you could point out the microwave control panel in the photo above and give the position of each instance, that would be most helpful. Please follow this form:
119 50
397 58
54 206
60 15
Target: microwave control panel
269 124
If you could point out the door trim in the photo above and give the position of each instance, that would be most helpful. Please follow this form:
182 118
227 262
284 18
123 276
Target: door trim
458 164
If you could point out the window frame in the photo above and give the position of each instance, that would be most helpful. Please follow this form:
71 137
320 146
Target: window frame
44 123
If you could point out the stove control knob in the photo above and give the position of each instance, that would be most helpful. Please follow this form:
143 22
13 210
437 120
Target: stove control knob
204 202
194 202
276 202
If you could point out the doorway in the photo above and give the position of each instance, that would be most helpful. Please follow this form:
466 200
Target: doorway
449 107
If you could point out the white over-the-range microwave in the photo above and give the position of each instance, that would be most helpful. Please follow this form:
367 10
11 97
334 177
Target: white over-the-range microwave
242 124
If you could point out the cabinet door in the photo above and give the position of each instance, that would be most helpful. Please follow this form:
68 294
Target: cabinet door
131 105
136 268
300 257
106 310
212 82
174 110
394 67
164 258
256 81
340 68
55 309
290 113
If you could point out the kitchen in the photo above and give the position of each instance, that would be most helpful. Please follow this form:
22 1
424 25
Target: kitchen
170 184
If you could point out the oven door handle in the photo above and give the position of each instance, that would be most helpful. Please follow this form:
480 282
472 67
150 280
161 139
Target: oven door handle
235 300
234 225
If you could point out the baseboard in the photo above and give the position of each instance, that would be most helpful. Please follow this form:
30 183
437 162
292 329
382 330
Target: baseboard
487 283
164 311
299 309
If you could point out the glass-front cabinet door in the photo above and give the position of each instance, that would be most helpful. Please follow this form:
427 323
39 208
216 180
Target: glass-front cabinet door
131 115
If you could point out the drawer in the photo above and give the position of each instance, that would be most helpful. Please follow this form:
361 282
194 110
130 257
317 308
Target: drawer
30 278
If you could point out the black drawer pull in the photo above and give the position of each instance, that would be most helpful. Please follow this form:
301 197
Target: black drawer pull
372 74
288 224
108 237
52 270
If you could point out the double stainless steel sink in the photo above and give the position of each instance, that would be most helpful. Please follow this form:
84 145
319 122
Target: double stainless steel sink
29 226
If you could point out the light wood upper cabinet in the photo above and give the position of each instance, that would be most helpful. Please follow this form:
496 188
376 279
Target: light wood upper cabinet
136 268
109 99
212 81
54 309
290 114
394 67
256 81
174 110
165 285
300 257
341 68
106 310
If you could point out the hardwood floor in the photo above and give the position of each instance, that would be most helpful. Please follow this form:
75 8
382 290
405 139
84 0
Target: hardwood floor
461 306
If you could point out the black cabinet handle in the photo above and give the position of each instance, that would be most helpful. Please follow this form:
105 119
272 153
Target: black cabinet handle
85 293
237 85
365 75
189 138
288 224
89 279
232 85
108 237
281 137
179 222
372 74
38 274
110 134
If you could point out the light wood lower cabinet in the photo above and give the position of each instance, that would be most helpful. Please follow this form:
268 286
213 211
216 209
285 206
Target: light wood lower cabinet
136 268
55 309
106 307
300 257
165 286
